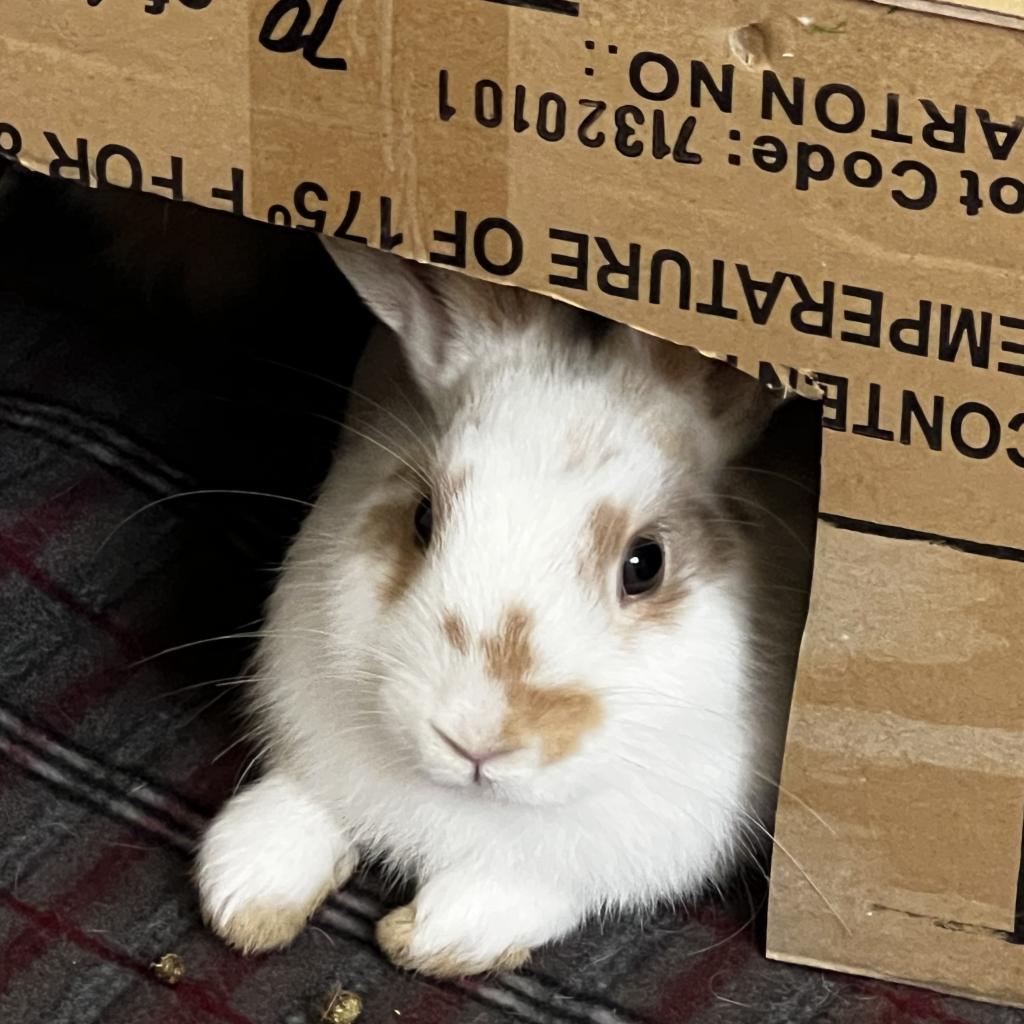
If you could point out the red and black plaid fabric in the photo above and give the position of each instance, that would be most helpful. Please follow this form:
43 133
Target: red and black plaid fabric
112 757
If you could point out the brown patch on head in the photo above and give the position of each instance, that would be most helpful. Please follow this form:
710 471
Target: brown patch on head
662 606
701 540
455 631
557 716
508 653
389 531
605 542
515 307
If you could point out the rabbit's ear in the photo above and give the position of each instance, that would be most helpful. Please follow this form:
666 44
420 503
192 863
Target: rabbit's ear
736 406
401 295
740 407
444 320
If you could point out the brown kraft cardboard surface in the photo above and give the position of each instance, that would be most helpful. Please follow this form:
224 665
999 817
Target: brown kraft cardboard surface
836 188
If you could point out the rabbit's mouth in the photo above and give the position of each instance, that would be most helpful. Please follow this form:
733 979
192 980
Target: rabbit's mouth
479 760
485 769
513 776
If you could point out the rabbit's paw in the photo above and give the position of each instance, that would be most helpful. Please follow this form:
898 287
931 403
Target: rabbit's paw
398 937
268 861
455 928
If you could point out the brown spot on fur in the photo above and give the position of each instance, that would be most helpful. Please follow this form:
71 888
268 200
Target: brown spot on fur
558 716
701 540
260 927
508 653
395 935
663 605
607 540
455 630
390 533
725 386
390 530
740 403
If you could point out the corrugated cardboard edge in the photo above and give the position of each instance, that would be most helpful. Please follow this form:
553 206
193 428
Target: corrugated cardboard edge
866 972
806 386
962 11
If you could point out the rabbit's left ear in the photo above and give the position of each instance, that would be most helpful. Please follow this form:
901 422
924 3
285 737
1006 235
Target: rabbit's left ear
740 405
405 297
736 406
444 320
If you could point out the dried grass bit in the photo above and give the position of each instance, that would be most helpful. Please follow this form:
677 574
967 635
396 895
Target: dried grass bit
344 1007
169 969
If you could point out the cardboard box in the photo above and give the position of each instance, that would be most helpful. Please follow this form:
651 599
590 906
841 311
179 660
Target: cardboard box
833 186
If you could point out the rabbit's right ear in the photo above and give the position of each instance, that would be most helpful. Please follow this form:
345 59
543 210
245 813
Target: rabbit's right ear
408 298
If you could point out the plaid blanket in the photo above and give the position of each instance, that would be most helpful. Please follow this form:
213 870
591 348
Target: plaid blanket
126 612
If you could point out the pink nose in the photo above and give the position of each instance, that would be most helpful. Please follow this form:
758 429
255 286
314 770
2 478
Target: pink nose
477 760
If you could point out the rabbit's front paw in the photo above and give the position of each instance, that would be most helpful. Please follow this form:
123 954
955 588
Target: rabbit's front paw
267 863
405 947
456 928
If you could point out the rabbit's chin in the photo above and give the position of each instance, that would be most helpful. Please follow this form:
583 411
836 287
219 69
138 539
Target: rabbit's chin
536 789
497 791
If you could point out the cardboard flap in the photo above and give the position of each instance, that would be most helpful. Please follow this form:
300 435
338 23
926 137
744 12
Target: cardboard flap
1004 13
774 187
903 792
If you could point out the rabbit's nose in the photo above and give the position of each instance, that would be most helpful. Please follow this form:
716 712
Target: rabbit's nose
476 759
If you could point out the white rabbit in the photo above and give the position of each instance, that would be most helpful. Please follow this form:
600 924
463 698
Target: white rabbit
523 648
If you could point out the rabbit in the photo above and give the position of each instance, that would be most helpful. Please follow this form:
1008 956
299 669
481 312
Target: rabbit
531 647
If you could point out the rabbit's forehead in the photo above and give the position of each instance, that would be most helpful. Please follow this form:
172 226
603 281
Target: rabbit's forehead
522 540
551 498
522 526
527 499
569 443
574 413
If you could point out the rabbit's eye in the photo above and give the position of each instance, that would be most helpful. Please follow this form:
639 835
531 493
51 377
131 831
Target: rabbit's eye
643 568
423 520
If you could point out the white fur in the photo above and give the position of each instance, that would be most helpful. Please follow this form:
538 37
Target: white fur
658 800
271 847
